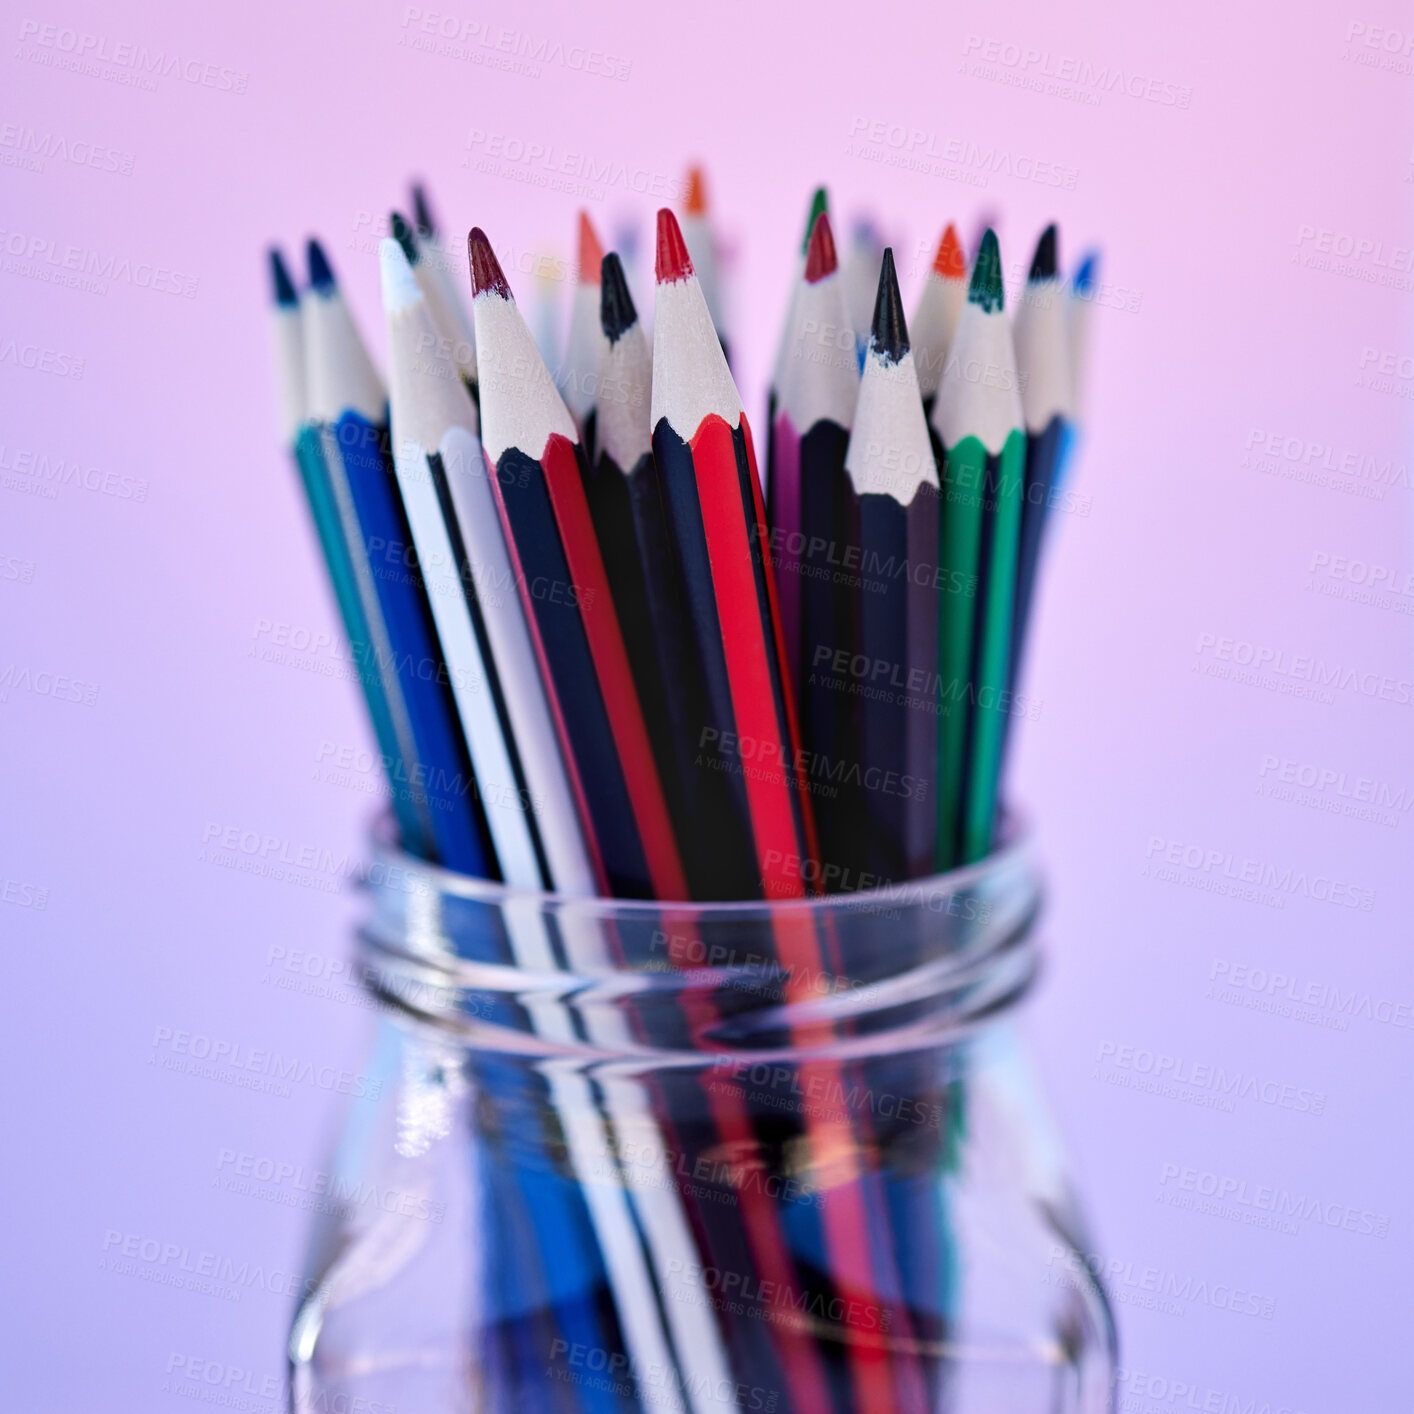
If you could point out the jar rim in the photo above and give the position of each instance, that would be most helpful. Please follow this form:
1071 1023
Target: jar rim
1017 848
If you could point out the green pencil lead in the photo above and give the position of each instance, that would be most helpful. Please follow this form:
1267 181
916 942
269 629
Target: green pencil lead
818 203
986 286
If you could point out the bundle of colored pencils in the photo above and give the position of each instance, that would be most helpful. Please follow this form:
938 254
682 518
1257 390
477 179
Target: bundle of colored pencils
610 671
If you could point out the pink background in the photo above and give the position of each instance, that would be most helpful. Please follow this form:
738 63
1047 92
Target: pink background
1217 330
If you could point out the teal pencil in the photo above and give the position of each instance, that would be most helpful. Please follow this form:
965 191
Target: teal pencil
316 477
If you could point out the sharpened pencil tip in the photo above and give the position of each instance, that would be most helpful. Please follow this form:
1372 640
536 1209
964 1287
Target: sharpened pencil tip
673 261
950 262
1084 277
888 336
400 288
694 202
820 258
819 203
616 312
986 287
486 276
591 253
321 277
402 233
285 295
422 212
1043 263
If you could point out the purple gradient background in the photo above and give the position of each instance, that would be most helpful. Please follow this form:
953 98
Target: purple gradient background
1200 211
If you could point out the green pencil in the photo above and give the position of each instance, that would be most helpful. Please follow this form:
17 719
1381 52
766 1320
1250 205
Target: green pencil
977 420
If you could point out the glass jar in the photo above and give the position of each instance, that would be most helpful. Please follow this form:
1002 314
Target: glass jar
686 1158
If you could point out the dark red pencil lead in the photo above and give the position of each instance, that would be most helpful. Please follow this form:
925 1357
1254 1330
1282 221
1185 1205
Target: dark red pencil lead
485 268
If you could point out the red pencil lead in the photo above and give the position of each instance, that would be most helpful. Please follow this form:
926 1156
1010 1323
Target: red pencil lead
486 273
695 202
673 261
820 253
950 262
591 253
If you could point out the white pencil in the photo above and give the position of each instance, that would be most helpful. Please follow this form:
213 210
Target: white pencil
434 425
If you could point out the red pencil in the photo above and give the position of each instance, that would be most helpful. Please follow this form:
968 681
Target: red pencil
712 497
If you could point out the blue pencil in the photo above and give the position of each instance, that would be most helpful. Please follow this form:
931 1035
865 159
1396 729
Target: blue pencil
349 406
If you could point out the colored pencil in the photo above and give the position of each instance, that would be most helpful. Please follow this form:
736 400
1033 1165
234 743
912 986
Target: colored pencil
782 502
861 279
347 397
449 345
935 315
348 438
533 454
1079 306
429 413
577 374
353 592
1047 387
978 421
426 407
625 501
813 418
703 448
894 511
449 306
704 252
